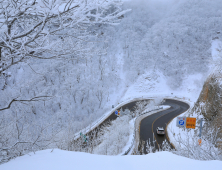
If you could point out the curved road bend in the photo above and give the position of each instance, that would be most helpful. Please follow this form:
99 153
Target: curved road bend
161 119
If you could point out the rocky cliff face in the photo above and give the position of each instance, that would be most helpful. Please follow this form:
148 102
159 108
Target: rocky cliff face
209 104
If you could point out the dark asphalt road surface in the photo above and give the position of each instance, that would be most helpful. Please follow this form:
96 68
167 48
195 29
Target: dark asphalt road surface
149 124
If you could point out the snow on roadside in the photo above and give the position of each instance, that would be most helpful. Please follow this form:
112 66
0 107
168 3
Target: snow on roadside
59 159
154 85
148 87
173 131
134 124
106 115
131 137
118 137
137 124
113 137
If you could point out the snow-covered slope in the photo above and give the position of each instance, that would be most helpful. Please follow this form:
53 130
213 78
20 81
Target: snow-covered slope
58 160
160 48
154 84
208 107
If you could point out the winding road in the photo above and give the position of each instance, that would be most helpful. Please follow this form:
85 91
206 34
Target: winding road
149 124
161 119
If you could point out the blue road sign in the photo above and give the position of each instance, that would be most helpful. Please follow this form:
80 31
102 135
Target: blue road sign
116 112
181 122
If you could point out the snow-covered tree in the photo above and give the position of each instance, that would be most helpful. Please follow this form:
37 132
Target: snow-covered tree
189 147
53 39
140 107
113 137
47 29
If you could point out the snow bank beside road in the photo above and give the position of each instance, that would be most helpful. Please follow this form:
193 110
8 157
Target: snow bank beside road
172 129
59 159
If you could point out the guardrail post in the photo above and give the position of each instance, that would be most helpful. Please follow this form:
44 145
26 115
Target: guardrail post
153 140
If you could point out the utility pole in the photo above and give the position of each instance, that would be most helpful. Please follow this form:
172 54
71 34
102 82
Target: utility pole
200 140
201 120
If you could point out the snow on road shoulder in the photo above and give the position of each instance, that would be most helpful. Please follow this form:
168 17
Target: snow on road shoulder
131 136
59 159
137 125
155 85
172 130
134 123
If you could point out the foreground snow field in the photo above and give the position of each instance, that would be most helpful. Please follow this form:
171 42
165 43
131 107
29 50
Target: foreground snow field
59 159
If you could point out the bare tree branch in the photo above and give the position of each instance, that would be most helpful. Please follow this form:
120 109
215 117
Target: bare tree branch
25 100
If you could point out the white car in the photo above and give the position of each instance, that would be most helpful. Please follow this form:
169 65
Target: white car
160 131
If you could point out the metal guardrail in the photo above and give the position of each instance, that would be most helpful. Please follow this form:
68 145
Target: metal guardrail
132 143
91 127
97 122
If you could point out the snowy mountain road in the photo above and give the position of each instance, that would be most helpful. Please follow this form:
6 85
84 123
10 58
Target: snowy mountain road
113 116
129 106
149 124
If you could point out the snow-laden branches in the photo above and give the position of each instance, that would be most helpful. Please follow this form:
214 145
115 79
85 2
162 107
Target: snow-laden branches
18 136
114 137
50 28
190 148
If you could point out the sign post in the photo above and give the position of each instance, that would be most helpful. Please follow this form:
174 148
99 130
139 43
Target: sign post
116 112
190 123
84 137
201 120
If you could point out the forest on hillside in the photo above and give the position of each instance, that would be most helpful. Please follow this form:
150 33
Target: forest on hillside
63 64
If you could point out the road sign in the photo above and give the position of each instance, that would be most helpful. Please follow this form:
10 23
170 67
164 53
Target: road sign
116 112
181 122
191 122
84 137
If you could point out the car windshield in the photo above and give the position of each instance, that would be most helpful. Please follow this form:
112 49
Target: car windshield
160 129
